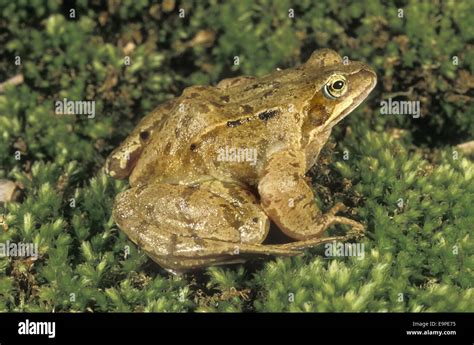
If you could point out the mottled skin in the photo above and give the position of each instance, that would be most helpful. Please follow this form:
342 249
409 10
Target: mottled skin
187 209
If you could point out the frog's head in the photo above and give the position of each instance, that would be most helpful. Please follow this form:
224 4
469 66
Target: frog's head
337 89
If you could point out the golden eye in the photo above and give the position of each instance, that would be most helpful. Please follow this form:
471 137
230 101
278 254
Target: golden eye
335 87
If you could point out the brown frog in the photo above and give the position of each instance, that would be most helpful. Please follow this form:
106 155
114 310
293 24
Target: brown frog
210 169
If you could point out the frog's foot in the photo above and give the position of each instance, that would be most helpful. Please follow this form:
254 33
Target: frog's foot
325 222
313 242
330 218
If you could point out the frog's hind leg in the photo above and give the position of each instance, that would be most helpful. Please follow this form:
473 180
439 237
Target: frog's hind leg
190 226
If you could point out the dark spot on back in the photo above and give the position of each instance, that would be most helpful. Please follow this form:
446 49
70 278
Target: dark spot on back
216 104
225 98
204 108
252 87
193 147
267 94
167 148
238 80
246 108
255 220
194 94
267 114
186 120
295 165
188 192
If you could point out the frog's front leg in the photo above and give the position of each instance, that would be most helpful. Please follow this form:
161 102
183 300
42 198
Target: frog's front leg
289 201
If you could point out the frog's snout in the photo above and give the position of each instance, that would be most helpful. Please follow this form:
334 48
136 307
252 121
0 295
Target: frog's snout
369 72
112 168
119 165
372 76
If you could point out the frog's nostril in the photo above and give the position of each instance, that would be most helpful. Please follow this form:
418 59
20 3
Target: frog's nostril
369 71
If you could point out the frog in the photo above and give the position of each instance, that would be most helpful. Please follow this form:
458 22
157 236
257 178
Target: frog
196 199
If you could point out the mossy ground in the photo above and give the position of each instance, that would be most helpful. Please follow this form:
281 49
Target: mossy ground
418 256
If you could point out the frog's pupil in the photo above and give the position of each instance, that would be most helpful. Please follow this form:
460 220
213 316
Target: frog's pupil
338 85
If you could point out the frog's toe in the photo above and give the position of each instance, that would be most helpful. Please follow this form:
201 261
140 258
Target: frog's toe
338 207
357 229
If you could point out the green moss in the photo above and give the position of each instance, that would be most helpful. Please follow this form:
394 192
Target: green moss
418 256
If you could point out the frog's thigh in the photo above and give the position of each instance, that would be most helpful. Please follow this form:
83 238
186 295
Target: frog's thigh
244 210
184 227
211 210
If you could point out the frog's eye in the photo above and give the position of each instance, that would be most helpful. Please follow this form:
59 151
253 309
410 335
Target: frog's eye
335 87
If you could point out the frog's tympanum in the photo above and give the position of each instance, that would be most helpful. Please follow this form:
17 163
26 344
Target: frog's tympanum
211 169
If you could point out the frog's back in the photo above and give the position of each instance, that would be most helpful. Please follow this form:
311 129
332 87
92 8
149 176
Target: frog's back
211 114
199 111
189 116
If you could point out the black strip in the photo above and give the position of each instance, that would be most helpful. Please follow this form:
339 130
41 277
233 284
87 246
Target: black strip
234 123
268 114
265 328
